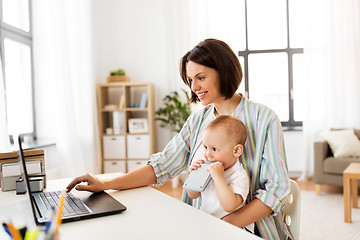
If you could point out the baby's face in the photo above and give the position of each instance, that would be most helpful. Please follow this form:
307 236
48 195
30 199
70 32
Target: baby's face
218 147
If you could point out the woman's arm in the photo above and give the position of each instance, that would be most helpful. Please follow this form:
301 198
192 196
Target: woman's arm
138 178
252 212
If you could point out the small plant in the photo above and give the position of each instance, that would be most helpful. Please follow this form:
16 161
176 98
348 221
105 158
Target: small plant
174 112
119 72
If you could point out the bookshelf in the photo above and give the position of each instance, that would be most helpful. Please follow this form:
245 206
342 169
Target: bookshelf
126 125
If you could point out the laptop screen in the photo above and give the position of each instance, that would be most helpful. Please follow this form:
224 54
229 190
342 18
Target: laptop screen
25 176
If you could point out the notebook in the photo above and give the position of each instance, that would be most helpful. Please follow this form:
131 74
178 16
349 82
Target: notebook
84 206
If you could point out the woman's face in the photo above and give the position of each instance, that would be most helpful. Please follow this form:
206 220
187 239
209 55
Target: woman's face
205 83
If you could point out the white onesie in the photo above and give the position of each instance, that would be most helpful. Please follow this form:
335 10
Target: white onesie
238 181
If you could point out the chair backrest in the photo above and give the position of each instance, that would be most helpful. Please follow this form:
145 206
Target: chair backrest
291 210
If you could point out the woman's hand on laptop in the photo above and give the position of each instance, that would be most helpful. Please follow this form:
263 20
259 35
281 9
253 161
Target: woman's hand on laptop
94 184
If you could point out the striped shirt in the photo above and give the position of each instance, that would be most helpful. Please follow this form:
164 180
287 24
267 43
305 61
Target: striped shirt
263 158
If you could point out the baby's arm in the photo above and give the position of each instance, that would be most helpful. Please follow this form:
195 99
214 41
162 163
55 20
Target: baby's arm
229 200
194 165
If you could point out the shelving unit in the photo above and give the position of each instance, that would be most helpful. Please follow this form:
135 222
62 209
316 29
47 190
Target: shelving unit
125 147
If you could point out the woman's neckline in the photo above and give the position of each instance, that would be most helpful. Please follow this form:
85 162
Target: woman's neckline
234 101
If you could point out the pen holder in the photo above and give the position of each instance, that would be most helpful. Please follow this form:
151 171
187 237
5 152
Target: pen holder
34 234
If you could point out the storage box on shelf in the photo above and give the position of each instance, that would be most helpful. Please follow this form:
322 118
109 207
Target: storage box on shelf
10 168
125 147
114 166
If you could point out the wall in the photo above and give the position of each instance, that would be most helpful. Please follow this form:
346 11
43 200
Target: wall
131 35
295 152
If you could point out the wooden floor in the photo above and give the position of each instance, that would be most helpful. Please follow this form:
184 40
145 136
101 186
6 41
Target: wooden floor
307 185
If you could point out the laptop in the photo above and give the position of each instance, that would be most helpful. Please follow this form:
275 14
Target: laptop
83 206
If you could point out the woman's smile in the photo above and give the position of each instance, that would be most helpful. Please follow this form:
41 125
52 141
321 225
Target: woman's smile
201 95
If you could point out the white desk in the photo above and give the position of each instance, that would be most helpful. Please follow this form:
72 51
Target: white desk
150 214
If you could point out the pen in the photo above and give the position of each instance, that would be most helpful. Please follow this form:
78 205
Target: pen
50 217
22 232
53 230
49 235
6 229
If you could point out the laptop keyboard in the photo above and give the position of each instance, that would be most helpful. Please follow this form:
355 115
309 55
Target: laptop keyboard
73 206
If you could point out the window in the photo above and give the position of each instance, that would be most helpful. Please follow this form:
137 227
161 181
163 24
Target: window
272 57
17 67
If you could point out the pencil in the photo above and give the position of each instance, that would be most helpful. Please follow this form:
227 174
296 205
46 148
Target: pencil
58 219
14 232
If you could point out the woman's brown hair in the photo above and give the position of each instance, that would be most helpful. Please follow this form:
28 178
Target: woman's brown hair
218 55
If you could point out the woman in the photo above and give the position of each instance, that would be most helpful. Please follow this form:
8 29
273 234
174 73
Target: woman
213 73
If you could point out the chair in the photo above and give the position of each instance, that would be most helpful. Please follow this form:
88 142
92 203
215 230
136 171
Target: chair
291 211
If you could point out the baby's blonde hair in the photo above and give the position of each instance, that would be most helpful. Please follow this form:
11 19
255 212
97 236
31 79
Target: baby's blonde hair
232 126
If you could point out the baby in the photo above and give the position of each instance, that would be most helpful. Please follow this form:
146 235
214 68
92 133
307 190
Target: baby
223 141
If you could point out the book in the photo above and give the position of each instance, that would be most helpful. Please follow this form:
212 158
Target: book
122 101
143 102
118 122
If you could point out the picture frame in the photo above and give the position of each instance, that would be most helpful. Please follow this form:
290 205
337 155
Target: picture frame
138 125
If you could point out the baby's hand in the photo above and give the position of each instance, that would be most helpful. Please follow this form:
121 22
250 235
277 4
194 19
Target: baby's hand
216 170
195 164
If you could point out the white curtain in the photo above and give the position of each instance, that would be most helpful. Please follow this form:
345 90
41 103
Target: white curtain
223 20
4 136
188 22
333 82
65 86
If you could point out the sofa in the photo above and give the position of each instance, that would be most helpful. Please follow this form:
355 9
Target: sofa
329 169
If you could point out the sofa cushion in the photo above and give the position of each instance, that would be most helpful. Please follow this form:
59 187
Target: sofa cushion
343 143
334 165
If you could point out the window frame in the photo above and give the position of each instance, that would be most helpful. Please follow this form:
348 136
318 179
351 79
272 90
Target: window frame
291 124
23 37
